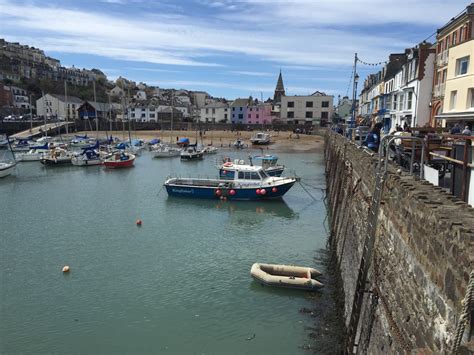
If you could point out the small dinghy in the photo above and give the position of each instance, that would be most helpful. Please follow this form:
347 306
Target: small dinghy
288 276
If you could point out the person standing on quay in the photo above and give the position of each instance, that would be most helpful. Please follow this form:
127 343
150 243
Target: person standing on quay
372 140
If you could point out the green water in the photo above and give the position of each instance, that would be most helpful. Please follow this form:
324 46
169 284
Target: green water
179 284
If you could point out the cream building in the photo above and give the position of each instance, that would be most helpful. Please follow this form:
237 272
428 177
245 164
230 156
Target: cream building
217 112
316 109
458 103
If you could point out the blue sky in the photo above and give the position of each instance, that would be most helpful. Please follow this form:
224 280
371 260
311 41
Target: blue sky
229 48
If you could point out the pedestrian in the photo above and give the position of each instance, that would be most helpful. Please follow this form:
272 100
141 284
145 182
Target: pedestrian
466 131
456 129
372 140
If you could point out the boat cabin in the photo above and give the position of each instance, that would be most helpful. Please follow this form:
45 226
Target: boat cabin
240 171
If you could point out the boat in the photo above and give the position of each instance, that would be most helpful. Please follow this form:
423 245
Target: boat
183 142
57 156
191 153
165 151
288 276
119 159
269 164
239 144
227 168
210 150
88 157
6 168
22 145
245 182
260 138
82 142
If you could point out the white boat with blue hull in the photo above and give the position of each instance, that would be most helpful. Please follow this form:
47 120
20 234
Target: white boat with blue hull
248 183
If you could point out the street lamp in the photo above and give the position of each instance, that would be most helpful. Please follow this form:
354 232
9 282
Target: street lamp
356 80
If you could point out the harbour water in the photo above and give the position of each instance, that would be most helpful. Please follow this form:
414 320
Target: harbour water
179 284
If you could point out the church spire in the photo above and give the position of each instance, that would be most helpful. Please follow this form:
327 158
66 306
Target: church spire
279 90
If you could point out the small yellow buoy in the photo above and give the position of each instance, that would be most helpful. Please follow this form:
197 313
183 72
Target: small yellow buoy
66 268
139 222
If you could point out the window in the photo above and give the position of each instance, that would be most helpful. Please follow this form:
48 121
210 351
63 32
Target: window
213 111
470 98
143 115
452 102
291 104
324 115
233 108
462 65
409 100
133 115
325 104
250 122
454 38
254 176
309 103
240 108
248 116
241 116
207 111
258 116
395 102
251 109
225 115
309 114
291 114
152 115
400 102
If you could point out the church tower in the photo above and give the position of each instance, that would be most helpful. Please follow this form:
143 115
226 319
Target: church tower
279 90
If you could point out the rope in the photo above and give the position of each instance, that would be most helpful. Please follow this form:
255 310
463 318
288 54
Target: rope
158 194
466 303
304 188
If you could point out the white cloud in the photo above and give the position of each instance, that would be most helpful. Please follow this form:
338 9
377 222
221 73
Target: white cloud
250 73
161 39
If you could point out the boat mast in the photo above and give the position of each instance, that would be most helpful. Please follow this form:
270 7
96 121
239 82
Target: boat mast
44 108
172 109
95 113
66 106
128 116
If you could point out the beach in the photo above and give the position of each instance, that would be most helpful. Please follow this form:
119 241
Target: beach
286 142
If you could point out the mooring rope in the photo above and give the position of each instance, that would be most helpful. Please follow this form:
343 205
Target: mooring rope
466 304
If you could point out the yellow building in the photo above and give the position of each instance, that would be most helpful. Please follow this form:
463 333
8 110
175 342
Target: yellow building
458 103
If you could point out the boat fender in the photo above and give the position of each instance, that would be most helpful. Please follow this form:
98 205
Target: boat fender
218 192
138 222
263 192
232 192
274 189
228 164
257 191
66 268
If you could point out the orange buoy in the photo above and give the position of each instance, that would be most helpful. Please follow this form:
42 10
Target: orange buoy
138 222
66 268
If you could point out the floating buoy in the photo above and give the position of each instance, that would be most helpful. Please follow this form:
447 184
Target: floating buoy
66 268
138 222
257 191
263 192
274 189
232 192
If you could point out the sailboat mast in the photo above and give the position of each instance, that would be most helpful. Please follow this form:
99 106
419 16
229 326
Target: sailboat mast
95 113
172 109
128 115
44 108
31 116
67 108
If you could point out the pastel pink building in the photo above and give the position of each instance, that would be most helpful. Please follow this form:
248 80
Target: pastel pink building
259 113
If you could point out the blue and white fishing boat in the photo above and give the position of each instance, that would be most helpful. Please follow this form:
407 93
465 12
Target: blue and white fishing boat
243 182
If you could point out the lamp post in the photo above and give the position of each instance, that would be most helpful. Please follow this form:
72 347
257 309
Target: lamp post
354 94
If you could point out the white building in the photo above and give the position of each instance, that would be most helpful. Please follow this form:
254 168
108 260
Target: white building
140 95
199 98
116 91
217 112
412 87
316 109
19 96
58 106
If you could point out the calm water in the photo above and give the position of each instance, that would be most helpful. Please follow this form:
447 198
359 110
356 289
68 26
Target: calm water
179 284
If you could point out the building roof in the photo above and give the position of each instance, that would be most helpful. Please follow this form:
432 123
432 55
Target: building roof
73 99
240 102
280 86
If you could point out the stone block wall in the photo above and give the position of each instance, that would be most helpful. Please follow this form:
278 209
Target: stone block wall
424 251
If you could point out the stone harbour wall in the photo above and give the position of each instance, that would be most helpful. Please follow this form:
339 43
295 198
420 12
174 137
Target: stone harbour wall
423 253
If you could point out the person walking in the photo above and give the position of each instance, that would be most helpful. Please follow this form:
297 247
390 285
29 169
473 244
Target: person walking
372 140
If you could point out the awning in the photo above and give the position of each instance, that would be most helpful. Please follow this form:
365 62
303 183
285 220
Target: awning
456 116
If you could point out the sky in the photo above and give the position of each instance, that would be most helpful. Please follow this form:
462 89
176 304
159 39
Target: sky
229 48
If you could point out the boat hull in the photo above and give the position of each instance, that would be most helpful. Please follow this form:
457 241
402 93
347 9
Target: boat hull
210 192
169 154
188 157
287 276
80 162
119 164
49 161
6 169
